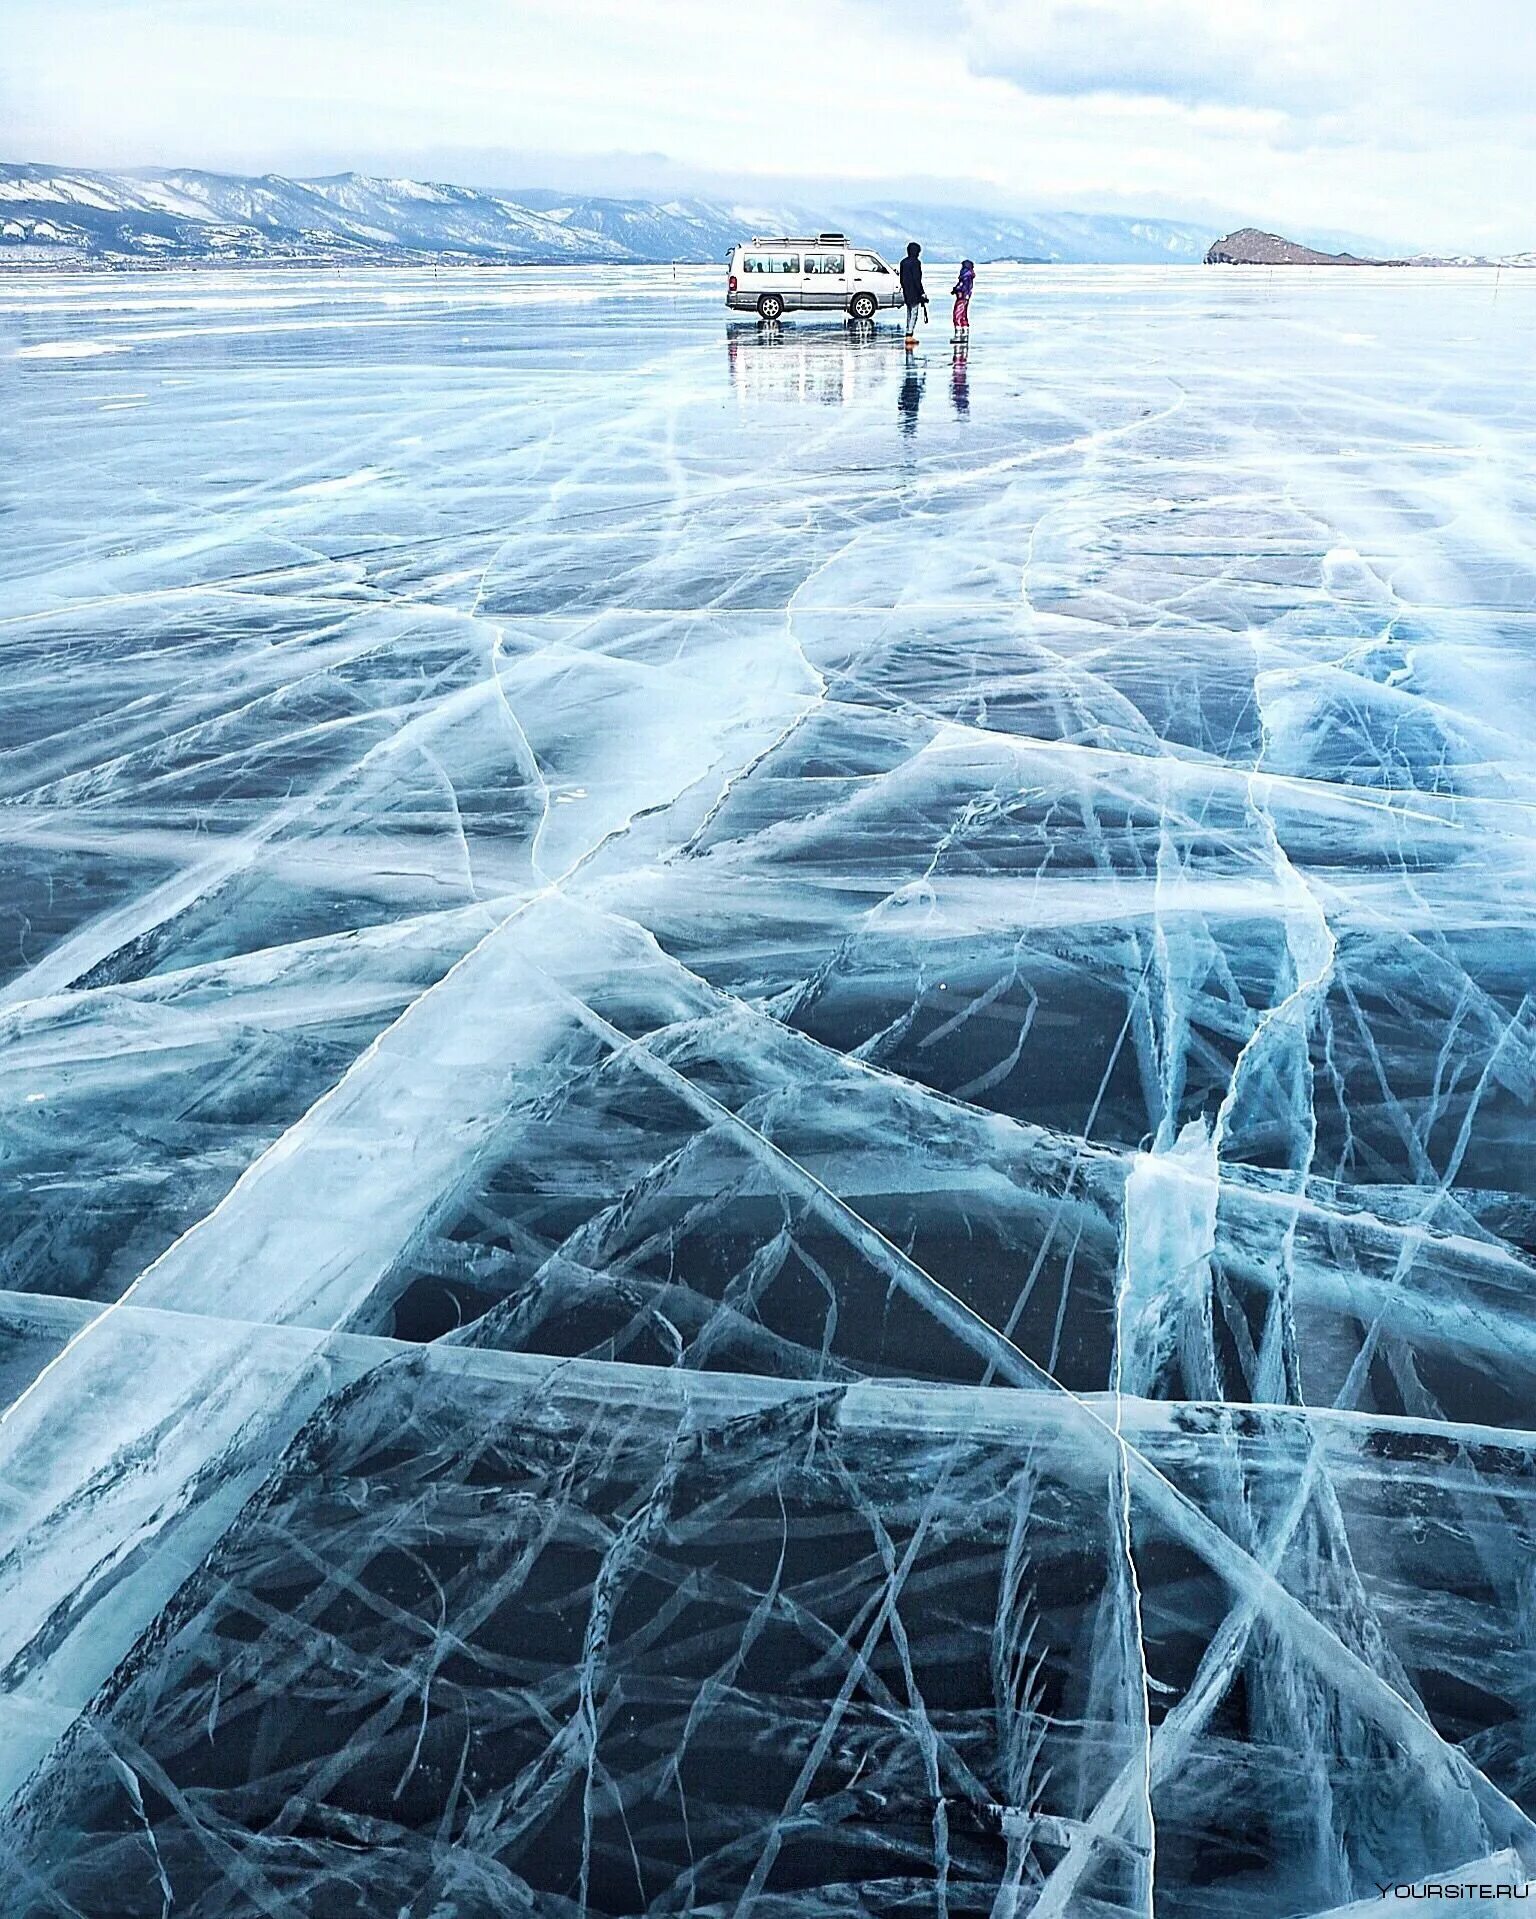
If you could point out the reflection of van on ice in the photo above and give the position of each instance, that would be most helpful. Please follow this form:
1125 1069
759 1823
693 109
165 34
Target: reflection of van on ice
824 274
819 366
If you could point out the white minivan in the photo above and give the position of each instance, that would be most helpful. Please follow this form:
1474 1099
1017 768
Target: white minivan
825 273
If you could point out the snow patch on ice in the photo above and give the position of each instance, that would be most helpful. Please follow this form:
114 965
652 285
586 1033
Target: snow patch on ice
70 350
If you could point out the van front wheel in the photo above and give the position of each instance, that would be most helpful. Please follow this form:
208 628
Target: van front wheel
770 306
863 306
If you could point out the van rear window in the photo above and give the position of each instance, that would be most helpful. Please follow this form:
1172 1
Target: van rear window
770 263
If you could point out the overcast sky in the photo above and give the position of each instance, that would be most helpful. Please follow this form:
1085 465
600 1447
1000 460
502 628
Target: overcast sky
1406 119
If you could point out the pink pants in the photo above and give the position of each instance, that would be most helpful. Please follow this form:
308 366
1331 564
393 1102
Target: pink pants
963 311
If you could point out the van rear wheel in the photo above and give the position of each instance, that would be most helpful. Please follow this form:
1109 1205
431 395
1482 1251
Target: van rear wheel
770 306
863 305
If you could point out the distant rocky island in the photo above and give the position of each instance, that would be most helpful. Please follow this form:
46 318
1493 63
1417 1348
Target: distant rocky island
1251 247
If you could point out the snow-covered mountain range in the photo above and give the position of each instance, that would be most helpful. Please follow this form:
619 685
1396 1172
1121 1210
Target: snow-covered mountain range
49 212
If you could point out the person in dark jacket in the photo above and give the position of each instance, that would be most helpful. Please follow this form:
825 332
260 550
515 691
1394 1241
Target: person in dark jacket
912 291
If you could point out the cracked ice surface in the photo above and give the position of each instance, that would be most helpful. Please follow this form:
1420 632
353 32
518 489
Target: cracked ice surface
767 1112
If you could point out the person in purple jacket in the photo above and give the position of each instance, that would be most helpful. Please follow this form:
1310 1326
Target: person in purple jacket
962 292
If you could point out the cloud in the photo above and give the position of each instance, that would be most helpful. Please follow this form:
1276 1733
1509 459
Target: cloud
1176 50
1408 118
1355 70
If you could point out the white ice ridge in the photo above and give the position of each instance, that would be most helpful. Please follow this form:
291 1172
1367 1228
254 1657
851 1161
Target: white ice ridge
1488 1886
764 1108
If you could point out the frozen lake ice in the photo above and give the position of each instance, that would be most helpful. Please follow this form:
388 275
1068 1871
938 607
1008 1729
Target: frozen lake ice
767 1109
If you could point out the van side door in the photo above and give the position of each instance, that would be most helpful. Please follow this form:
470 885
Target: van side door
872 275
826 277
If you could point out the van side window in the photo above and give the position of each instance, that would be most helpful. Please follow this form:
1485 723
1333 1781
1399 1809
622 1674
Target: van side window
867 263
770 263
823 263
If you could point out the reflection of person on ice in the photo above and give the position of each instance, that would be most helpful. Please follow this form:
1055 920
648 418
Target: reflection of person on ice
912 291
962 292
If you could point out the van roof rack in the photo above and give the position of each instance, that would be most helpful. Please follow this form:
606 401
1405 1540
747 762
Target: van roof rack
799 239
